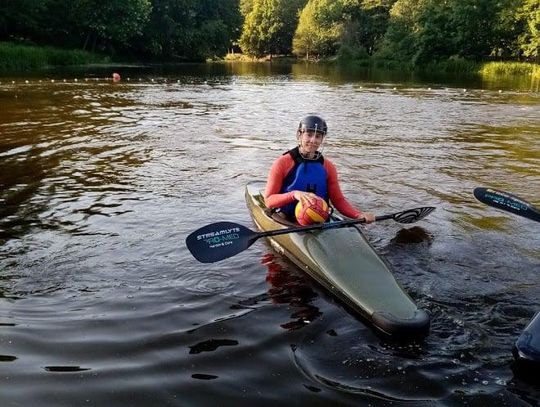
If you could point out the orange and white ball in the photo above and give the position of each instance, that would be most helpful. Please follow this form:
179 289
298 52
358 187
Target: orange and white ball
309 214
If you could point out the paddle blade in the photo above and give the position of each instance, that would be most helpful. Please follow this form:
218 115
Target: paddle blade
507 202
219 241
413 215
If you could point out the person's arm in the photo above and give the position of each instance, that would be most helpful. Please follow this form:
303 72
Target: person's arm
278 172
338 199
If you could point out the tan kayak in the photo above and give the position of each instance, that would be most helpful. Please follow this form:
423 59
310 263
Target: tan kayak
344 262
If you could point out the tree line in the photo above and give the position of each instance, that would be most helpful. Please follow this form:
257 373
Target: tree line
412 31
162 30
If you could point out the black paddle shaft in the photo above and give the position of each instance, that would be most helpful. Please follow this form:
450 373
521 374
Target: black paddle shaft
222 240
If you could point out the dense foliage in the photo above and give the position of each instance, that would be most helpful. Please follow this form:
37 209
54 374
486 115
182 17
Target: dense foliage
411 31
319 29
427 30
144 29
269 26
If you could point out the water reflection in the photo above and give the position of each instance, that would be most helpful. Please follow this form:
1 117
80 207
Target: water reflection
289 287
65 369
62 167
227 72
211 345
201 376
286 286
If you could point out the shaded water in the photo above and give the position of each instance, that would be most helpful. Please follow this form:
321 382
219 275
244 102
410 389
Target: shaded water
102 304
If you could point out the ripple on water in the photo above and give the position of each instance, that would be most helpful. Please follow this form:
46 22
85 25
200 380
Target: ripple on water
208 282
102 183
347 360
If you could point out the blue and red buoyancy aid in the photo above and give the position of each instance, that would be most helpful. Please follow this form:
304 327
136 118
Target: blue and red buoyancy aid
306 175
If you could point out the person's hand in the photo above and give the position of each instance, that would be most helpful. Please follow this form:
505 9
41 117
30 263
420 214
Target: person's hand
368 216
307 198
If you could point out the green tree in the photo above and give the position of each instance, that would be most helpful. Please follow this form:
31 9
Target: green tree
20 20
509 25
473 25
436 32
189 29
269 27
216 26
320 28
91 24
429 30
366 22
245 7
529 40
400 41
168 30
110 22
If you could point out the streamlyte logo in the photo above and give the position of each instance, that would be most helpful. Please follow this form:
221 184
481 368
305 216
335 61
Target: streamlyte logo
220 238
507 201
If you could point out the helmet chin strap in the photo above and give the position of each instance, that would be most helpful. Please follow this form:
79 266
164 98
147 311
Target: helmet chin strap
316 156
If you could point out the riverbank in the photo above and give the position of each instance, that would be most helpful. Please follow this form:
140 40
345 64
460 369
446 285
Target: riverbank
23 58
16 58
457 66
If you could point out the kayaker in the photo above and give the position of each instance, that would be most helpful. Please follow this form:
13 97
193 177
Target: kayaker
302 173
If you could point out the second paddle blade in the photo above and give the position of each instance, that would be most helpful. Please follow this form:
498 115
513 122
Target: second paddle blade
413 215
507 202
219 241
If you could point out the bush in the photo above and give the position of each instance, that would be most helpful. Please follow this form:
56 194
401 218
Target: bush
347 54
15 58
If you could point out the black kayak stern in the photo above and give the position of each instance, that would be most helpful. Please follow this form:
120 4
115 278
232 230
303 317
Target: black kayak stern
415 327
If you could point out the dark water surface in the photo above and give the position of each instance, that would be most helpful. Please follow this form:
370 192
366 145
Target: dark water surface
101 303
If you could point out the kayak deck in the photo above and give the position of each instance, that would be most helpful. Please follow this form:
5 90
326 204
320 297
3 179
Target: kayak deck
344 262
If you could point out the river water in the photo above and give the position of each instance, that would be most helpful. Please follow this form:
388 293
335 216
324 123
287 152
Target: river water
101 303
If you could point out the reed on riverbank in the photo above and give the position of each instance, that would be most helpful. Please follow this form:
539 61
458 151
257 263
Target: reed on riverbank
21 58
510 68
453 66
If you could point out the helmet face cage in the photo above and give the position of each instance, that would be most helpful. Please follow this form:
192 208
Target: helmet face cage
316 124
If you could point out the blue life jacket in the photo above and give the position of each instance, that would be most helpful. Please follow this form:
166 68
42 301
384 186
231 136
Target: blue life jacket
306 175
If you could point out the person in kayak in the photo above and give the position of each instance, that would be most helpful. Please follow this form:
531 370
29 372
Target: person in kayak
302 173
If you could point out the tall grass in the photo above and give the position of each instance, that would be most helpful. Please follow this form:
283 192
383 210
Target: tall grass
18 58
510 68
465 67
454 66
